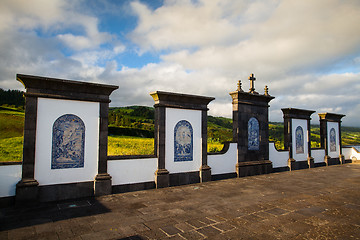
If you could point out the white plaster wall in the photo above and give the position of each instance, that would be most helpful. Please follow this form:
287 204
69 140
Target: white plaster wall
223 163
48 111
302 123
9 176
278 158
318 155
132 170
173 116
334 125
349 153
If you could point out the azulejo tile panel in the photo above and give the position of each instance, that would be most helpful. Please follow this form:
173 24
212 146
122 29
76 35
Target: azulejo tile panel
183 141
332 140
68 142
299 138
253 134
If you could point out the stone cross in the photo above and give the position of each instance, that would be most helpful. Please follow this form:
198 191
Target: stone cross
252 85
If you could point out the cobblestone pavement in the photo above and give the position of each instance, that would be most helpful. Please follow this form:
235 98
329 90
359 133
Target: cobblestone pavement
319 203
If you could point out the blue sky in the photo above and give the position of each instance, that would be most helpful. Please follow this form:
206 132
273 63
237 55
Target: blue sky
307 52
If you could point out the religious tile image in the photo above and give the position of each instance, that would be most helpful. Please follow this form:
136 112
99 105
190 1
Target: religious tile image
183 141
332 140
299 136
253 134
68 141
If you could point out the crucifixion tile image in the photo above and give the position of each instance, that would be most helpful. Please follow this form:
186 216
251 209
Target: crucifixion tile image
68 141
183 141
332 140
299 135
253 134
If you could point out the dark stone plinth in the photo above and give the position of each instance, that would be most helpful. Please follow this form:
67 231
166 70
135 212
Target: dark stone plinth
27 191
251 168
58 192
132 187
162 178
102 184
205 173
331 161
297 165
177 179
223 176
7 201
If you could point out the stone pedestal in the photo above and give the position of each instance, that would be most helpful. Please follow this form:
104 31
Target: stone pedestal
102 184
27 191
162 178
205 173
342 159
311 162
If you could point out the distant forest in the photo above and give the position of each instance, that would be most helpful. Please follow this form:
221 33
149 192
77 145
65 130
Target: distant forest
12 97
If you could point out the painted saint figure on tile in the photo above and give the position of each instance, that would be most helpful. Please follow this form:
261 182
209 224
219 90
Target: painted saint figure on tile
68 141
253 134
183 141
332 140
299 136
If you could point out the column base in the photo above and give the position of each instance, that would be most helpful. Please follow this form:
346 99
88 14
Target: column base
162 178
251 168
311 162
102 184
205 173
342 159
291 164
27 191
327 159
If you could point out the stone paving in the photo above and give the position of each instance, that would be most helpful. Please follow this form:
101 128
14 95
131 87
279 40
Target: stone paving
319 203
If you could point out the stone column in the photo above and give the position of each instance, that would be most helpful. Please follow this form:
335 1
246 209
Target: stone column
325 120
250 116
291 114
27 189
167 100
103 179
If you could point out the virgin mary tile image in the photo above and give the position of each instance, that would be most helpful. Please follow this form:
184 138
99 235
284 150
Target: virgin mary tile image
253 134
299 136
332 140
183 141
68 141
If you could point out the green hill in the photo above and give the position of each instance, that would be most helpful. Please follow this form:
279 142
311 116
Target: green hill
133 128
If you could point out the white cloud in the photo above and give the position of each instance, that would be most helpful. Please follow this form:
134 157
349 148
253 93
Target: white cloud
306 52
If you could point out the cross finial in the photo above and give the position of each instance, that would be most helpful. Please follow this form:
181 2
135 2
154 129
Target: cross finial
239 86
252 84
266 90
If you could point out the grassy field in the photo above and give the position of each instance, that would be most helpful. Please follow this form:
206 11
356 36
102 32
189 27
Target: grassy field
219 130
128 145
11 134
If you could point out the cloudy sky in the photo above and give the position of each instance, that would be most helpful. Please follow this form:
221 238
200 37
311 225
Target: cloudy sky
307 52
